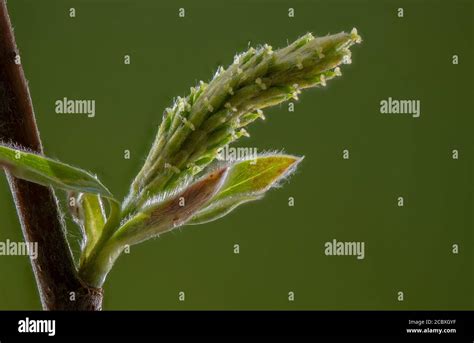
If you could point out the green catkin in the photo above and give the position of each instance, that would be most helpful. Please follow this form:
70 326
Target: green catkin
213 115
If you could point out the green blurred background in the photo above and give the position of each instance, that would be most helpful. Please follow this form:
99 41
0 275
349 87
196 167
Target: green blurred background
281 248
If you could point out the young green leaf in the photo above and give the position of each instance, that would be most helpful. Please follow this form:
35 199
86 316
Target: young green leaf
247 180
219 209
91 218
47 172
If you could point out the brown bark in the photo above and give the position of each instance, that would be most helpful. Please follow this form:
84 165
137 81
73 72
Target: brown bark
37 208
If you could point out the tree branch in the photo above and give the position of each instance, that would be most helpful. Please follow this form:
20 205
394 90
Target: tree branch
37 208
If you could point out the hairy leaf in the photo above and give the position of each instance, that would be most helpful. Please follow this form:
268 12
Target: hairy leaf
247 181
91 219
45 171
162 215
